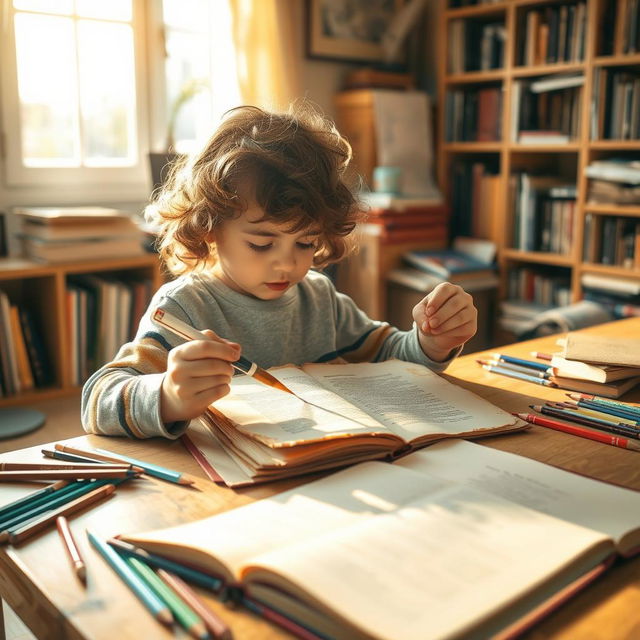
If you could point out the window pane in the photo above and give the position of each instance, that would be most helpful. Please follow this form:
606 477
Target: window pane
47 90
60 7
107 92
109 10
192 15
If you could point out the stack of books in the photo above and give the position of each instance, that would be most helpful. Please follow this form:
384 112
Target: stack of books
620 295
614 181
68 234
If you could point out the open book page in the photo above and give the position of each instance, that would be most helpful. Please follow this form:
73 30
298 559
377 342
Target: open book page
228 540
583 501
278 419
411 400
434 568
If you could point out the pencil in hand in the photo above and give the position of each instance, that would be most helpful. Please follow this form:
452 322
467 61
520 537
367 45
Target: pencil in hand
182 329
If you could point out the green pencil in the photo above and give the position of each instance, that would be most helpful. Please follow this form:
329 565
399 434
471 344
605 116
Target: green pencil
31 499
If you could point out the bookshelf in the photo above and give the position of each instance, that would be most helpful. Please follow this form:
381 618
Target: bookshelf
544 40
42 289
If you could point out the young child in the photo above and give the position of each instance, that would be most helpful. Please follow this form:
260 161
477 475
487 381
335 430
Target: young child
241 226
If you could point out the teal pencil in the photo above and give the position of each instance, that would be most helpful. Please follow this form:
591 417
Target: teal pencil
611 403
26 502
157 607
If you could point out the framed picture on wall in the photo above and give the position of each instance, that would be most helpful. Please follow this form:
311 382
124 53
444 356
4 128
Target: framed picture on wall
349 30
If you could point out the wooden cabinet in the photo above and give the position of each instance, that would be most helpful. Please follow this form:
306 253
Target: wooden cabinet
42 289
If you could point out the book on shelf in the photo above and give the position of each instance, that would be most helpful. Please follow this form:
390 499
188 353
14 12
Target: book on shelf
555 82
388 202
433 233
36 350
537 136
615 170
611 284
8 355
353 412
43 230
58 216
82 249
25 374
449 264
455 536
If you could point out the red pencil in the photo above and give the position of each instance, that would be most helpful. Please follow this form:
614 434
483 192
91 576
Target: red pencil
541 356
624 443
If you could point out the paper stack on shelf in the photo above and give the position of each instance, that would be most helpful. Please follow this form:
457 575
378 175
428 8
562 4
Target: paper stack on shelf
67 234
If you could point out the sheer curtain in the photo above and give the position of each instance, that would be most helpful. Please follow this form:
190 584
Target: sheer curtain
267 55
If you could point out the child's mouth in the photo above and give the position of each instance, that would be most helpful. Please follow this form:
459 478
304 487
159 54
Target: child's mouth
277 286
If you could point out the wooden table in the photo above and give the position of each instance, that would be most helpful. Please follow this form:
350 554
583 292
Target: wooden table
37 582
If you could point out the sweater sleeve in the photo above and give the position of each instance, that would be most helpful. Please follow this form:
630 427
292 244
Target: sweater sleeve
361 339
122 398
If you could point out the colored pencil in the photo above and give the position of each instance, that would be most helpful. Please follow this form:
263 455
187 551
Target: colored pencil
33 526
181 611
515 367
70 546
574 416
187 332
61 455
524 363
148 467
66 474
605 401
188 573
618 412
214 624
596 413
157 607
28 500
518 375
54 466
542 356
579 431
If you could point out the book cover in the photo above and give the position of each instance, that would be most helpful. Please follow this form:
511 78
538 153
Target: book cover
477 518
593 348
447 263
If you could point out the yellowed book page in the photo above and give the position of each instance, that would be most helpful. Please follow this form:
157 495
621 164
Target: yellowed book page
304 513
439 565
410 399
601 349
276 418
555 492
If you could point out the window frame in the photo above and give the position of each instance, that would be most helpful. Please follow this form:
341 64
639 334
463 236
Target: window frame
17 174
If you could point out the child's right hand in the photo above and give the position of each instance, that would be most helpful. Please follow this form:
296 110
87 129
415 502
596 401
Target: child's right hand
198 373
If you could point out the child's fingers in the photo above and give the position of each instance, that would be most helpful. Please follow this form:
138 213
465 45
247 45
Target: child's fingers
439 296
199 349
452 306
458 316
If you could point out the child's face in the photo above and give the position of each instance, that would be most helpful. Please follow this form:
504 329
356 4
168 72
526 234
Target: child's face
260 258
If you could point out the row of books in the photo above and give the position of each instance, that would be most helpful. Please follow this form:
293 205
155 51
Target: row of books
66 234
467 38
554 34
543 213
548 287
631 27
24 361
474 115
616 105
613 240
546 110
103 314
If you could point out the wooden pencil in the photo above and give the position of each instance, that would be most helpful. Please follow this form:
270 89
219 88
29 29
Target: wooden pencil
53 466
61 455
214 624
66 474
32 497
32 527
70 546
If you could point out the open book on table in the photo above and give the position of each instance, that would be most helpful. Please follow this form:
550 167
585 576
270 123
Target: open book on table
459 540
342 413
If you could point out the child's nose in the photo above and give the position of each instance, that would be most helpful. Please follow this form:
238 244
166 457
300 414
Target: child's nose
286 260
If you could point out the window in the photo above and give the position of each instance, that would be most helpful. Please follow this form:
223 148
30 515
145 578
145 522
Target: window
71 105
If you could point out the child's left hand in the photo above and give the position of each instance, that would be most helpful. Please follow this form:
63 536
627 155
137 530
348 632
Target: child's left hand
446 318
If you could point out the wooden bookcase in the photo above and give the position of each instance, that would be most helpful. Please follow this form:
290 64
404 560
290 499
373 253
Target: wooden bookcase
41 289
507 156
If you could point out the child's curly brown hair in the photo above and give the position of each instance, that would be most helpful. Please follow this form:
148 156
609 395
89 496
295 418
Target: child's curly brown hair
296 162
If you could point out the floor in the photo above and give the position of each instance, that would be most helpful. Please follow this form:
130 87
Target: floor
57 426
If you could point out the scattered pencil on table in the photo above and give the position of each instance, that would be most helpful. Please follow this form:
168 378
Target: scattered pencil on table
216 626
598 413
65 474
70 546
149 599
149 468
615 441
521 361
541 356
78 466
520 376
612 410
560 410
31 499
631 408
186 331
17 535
535 373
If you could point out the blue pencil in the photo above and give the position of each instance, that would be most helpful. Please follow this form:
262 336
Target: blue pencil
516 367
158 608
520 376
619 412
540 366
630 408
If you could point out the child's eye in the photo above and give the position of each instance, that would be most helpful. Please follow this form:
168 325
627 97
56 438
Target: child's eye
259 247
306 246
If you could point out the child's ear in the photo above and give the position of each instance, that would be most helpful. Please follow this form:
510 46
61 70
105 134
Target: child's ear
210 237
